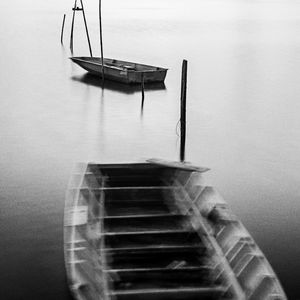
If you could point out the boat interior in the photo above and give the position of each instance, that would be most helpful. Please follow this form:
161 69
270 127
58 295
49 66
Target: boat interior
114 63
153 231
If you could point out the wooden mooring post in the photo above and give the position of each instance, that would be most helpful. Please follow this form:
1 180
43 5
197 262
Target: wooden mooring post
76 8
62 30
101 43
183 110
86 29
72 27
143 87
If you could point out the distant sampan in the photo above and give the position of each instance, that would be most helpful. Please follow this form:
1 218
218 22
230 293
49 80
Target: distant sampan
122 71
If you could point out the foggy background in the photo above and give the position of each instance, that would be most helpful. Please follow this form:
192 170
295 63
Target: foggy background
242 119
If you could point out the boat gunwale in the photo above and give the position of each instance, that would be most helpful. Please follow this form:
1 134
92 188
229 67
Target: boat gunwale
257 252
85 60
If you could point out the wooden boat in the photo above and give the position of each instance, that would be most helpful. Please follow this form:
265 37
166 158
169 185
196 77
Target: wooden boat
122 71
153 230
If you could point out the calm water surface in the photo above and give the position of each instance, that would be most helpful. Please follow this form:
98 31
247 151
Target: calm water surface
243 119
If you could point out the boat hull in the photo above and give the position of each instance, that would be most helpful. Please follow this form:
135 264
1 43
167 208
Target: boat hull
153 230
122 71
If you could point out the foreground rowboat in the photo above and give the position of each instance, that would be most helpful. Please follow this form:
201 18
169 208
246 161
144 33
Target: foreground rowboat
153 231
122 71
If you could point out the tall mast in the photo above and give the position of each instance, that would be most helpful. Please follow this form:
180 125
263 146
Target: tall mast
101 44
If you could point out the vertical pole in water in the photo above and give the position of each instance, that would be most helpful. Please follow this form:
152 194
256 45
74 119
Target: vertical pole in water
72 27
101 44
86 29
143 88
62 30
143 93
183 110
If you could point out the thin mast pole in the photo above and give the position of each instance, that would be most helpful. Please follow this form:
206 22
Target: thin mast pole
101 43
62 30
72 27
86 29
183 110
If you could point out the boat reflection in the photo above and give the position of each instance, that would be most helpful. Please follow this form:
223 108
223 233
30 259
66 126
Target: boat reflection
117 86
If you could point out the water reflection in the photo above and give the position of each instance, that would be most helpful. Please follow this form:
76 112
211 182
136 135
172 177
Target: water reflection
142 106
92 80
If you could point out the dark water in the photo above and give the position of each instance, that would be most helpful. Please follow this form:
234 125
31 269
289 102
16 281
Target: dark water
243 119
